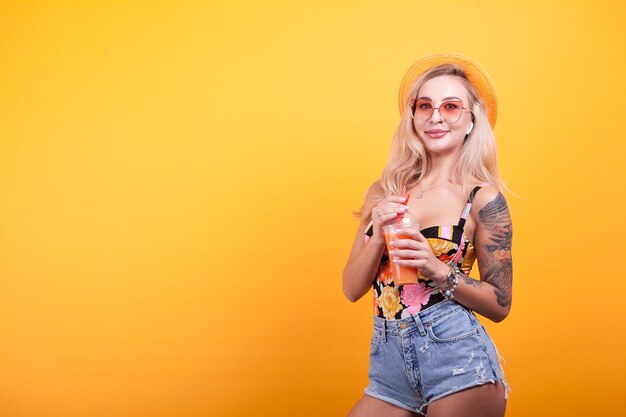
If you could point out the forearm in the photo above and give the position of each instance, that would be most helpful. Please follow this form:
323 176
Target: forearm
483 297
360 272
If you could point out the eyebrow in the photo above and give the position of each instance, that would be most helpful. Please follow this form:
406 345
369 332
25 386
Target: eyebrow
444 99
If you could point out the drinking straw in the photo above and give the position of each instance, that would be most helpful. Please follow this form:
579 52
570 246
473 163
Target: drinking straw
406 200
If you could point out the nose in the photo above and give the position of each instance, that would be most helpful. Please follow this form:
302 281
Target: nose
436 118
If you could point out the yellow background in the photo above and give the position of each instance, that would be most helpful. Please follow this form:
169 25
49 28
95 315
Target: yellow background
177 178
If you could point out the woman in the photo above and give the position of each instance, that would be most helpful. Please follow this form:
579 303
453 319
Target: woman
429 355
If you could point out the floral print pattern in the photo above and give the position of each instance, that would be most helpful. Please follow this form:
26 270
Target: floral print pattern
414 296
393 301
440 246
400 301
389 300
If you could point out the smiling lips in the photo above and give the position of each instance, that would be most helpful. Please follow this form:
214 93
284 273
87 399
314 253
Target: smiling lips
436 133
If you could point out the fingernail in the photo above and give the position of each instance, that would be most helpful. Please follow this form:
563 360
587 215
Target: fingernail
392 252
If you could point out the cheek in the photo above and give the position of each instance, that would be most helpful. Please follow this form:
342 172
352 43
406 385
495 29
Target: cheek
466 121
458 135
417 130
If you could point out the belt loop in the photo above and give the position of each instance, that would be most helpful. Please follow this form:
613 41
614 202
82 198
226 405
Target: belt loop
419 324
385 330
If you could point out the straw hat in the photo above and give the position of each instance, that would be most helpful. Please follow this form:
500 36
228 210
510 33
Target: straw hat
475 74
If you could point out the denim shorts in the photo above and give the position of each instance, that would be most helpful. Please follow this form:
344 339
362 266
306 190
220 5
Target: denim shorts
436 352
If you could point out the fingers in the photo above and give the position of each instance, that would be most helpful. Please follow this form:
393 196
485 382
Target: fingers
415 259
416 235
392 206
386 217
405 243
405 254
388 209
385 211
396 199
410 247
411 263
393 202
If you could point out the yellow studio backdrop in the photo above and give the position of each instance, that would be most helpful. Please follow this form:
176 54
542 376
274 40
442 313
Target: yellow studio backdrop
177 180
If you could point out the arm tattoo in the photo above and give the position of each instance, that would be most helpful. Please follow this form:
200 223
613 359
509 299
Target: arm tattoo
497 251
469 281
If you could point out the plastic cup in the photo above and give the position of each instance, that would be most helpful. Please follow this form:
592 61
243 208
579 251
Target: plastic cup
402 275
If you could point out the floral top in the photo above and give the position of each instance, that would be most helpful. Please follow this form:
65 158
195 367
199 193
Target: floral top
449 245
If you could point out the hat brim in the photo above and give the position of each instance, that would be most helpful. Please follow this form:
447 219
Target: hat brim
475 74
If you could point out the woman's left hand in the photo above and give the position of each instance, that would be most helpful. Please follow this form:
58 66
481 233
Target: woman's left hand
417 253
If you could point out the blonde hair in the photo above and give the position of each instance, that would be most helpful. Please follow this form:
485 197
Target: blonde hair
408 160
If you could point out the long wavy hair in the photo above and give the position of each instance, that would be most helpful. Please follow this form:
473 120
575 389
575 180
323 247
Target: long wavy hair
409 161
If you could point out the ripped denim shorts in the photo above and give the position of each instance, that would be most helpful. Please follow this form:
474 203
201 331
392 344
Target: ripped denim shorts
436 352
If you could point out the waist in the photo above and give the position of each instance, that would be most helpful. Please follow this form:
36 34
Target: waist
422 318
396 303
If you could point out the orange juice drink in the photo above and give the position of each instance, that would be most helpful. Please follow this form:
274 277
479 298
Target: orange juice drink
402 275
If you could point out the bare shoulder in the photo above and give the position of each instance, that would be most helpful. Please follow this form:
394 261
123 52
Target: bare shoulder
490 206
374 194
375 191
484 196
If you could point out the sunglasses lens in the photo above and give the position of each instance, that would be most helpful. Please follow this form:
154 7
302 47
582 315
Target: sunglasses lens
451 111
423 110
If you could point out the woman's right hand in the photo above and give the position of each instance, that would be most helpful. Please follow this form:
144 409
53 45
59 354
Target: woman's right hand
384 212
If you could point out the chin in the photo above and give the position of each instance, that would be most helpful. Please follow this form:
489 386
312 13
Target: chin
441 148
437 146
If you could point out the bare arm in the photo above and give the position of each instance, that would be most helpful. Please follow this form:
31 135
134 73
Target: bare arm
364 259
491 295
359 273
494 251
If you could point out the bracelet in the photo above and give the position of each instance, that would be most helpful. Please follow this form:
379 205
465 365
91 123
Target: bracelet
448 280
452 281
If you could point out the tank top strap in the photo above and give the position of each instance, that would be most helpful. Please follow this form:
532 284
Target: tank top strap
468 207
